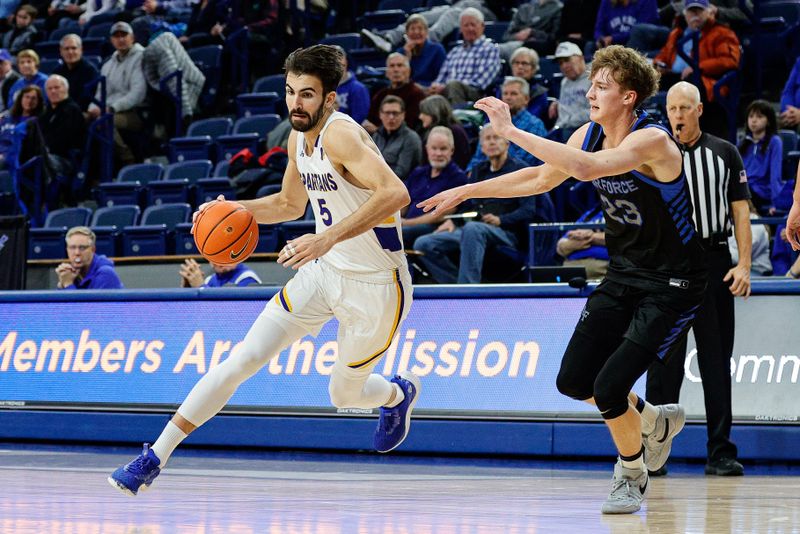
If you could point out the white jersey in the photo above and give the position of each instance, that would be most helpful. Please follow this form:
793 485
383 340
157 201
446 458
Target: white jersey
333 198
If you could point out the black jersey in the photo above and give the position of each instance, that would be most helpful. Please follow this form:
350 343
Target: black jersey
651 239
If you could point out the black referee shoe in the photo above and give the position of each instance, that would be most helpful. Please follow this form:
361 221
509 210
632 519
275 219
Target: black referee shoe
724 467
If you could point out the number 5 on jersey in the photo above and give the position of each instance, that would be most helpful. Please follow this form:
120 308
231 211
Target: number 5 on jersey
324 213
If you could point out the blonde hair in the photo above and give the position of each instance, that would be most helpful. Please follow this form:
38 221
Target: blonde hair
81 230
29 54
630 69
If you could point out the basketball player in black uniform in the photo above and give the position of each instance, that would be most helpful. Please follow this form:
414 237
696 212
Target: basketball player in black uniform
656 277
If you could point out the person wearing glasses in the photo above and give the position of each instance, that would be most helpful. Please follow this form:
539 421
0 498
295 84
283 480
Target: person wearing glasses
400 146
84 269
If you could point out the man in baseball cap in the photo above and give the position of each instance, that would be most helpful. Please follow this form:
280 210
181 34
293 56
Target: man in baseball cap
572 107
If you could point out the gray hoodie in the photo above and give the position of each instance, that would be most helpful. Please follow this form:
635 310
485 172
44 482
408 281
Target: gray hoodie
126 86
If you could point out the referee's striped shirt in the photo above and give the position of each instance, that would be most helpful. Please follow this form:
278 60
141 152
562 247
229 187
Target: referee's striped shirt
716 176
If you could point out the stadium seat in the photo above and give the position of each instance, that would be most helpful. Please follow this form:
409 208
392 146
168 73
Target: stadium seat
184 240
248 104
213 127
143 173
47 243
229 145
107 224
275 83
48 65
154 237
99 30
48 49
221 169
347 41
182 149
268 235
294 229
366 57
210 188
382 20
188 170
68 217
130 184
209 60
177 182
258 124
496 30
96 46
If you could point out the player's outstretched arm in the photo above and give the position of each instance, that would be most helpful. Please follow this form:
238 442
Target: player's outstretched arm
793 220
521 183
648 146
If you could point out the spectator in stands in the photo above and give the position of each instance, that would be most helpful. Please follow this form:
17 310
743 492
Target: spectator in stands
572 107
352 96
578 18
28 65
719 52
534 25
435 110
398 72
164 55
586 247
652 37
442 21
426 57
76 70
62 9
516 93
616 18
224 275
762 153
173 9
471 66
501 222
28 104
761 265
92 8
85 269
399 144
427 180
207 16
23 33
525 65
126 88
63 125
790 99
8 77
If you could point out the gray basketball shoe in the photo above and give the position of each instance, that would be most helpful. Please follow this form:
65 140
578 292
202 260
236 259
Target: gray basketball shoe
658 443
628 488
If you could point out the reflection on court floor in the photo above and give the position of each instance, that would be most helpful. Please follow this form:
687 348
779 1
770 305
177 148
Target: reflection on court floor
65 491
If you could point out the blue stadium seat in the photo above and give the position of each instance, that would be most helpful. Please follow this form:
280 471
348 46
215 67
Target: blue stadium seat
99 30
48 49
366 57
129 186
248 104
400 4
154 237
209 188
496 30
68 217
188 170
347 41
47 243
48 65
274 83
143 173
209 60
268 235
107 224
266 190
229 145
258 124
221 169
294 229
385 19
190 148
184 240
96 46
178 180
213 127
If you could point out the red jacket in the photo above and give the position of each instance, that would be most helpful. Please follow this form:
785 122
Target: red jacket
719 52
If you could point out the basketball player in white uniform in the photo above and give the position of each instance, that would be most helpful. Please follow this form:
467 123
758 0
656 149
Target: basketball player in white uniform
353 268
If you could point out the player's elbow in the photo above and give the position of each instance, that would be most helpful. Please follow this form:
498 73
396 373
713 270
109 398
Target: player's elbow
400 197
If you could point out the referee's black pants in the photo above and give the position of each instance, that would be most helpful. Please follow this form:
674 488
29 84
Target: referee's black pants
713 332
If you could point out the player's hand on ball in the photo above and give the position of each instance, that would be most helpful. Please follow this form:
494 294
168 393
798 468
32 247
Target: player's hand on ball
304 249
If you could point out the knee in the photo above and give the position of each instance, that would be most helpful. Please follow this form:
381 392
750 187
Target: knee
425 242
570 385
611 401
474 229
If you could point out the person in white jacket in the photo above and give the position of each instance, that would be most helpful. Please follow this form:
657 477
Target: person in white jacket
126 88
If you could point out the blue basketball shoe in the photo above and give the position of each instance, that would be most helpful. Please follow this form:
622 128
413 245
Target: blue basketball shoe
138 474
395 422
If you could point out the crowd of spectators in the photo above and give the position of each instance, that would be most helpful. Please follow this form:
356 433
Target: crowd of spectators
416 105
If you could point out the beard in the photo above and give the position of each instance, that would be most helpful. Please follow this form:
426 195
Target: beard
312 121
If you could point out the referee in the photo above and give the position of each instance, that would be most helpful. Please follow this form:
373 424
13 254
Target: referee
719 192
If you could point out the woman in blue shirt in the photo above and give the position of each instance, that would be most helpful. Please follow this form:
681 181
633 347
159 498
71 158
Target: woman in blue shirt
425 56
762 153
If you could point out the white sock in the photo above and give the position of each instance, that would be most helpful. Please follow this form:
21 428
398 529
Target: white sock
634 463
166 443
399 396
649 415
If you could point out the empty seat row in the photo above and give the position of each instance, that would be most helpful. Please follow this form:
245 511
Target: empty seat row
221 138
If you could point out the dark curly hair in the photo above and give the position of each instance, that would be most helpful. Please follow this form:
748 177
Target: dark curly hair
321 61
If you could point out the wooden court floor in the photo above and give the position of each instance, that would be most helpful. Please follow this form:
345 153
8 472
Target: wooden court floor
52 490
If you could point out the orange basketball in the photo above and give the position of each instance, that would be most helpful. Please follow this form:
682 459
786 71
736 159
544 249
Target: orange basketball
226 233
